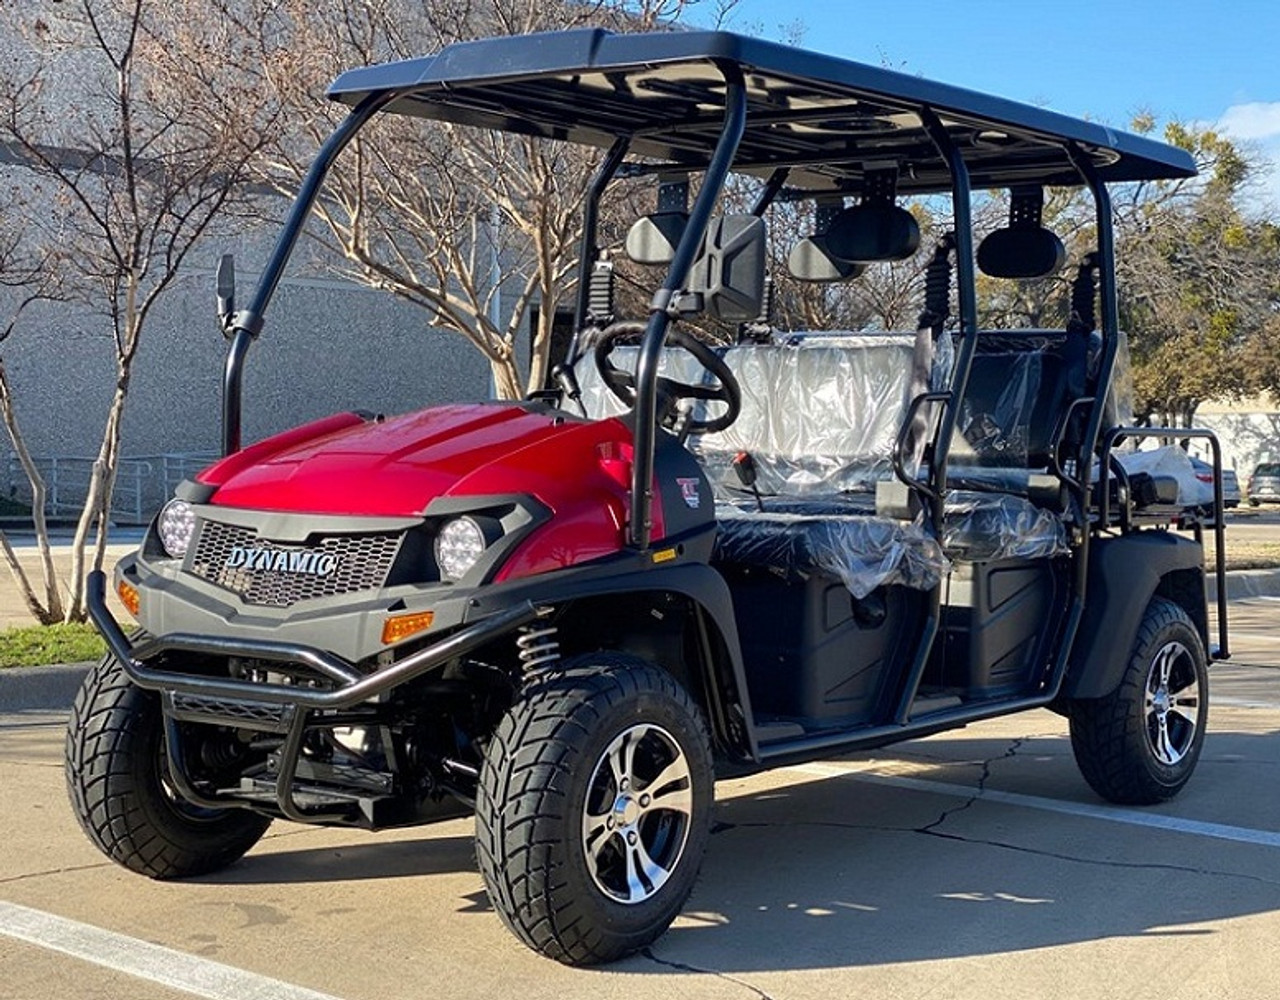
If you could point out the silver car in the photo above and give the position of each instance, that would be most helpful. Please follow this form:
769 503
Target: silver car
1230 484
1264 484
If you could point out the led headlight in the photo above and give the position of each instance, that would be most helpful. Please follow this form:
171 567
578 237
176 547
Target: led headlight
177 522
459 546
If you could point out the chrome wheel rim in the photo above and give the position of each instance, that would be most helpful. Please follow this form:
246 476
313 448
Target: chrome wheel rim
636 817
1172 703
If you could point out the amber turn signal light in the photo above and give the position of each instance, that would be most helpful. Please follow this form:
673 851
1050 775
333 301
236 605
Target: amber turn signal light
129 597
399 627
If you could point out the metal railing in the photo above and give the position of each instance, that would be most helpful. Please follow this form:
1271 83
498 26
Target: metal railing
143 483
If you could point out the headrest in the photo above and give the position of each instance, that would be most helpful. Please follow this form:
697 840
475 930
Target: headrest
1023 252
1025 249
654 238
812 260
729 273
874 231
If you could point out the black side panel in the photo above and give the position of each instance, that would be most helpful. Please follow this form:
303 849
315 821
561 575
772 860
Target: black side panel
999 620
1124 573
813 653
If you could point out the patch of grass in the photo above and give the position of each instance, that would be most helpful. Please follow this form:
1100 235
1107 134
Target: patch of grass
1243 554
34 645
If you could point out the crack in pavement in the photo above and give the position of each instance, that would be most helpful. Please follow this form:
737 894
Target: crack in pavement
930 831
9 880
1010 751
1099 862
682 967
108 863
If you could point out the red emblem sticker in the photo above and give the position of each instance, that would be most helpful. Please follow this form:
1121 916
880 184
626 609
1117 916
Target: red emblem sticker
689 492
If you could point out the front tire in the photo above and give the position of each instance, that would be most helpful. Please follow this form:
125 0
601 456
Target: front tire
594 808
117 780
1140 744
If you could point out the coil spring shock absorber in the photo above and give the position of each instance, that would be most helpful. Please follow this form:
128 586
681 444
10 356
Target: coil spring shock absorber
538 647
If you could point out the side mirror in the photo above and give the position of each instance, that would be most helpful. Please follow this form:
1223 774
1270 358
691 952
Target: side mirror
812 260
654 238
225 282
729 273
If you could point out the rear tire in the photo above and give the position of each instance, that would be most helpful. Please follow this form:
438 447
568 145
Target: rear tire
594 808
116 777
1140 744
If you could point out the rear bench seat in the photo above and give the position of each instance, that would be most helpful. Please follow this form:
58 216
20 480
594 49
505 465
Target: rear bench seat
820 414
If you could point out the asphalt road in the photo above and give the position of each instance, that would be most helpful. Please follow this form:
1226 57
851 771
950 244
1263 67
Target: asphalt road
974 864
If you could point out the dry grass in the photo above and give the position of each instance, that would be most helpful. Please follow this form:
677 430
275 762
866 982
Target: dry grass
1243 553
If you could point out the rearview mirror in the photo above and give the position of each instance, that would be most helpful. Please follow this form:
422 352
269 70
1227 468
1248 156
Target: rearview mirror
873 232
729 273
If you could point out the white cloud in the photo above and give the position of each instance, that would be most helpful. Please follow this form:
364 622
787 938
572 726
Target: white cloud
1257 126
1256 121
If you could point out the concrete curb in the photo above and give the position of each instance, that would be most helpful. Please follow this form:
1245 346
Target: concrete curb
33 689
53 688
1242 583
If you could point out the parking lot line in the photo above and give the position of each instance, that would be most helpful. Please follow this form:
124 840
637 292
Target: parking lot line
1109 814
164 966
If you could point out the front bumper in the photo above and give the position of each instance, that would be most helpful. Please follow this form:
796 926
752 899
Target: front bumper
347 685
275 708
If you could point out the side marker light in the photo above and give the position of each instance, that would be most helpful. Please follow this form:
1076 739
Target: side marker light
129 597
399 627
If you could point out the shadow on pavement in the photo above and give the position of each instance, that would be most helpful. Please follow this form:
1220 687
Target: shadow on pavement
377 859
841 873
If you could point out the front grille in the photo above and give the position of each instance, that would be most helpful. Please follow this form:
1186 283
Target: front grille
361 562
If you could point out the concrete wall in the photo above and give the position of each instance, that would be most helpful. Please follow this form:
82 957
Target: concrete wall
1249 432
328 346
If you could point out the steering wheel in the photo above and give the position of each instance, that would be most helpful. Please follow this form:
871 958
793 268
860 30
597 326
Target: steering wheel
623 384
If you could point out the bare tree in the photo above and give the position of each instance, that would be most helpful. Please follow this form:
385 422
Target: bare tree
24 271
473 226
132 178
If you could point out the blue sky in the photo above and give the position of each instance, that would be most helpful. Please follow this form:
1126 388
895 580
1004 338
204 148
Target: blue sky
1197 61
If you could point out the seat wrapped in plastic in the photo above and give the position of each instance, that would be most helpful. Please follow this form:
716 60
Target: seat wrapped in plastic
820 414
980 527
864 552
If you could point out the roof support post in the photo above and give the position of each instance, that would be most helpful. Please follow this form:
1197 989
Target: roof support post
968 302
645 413
590 248
1110 327
966 287
246 324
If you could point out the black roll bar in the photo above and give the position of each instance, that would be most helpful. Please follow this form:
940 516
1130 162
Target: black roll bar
1219 521
966 278
935 492
246 324
1110 328
590 247
735 119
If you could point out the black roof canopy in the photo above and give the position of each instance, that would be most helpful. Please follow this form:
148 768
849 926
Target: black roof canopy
829 119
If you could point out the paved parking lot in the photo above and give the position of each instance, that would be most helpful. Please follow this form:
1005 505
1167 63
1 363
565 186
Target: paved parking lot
972 864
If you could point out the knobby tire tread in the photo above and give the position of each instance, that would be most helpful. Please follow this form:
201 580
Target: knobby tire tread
107 729
526 795
1107 732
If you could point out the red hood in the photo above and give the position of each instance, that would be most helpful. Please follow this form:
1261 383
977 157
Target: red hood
396 467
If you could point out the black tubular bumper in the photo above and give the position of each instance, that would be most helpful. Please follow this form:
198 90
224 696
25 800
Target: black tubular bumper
278 708
350 685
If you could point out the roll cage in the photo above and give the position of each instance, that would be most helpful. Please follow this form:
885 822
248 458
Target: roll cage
808 125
